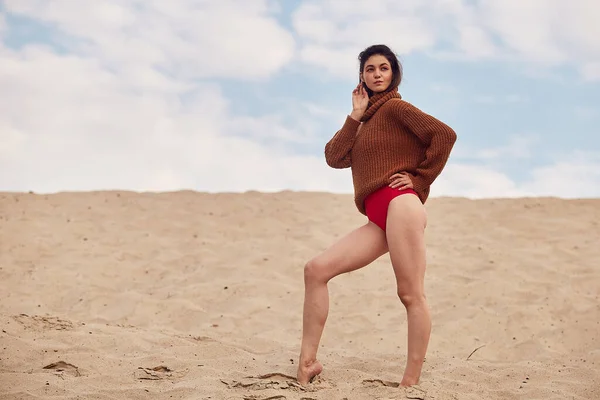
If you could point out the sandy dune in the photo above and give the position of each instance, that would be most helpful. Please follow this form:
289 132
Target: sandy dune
120 295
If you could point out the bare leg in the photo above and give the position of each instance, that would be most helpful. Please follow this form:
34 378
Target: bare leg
405 236
355 250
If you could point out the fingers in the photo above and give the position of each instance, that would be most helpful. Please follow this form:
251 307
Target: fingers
400 181
399 175
401 185
360 92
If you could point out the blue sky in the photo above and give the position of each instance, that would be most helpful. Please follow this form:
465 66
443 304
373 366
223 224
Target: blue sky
243 95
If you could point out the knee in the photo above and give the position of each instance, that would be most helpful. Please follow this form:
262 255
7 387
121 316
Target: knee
315 271
411 298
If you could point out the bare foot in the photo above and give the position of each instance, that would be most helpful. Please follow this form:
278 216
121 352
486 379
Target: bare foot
408 382
308 370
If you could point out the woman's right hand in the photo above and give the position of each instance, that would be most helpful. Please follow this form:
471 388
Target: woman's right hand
360 101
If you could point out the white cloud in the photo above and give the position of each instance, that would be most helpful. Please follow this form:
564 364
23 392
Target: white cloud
475 42
110 113
334 32
524 28
577 175
70 124
473 181
476 173
568 178
217 39
540 32
95 120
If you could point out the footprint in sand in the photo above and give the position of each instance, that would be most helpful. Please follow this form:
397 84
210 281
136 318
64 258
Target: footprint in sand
63 367
39 322
158 373
276 397
273 380
413 393
379 382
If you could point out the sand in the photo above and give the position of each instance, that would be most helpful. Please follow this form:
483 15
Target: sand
185 295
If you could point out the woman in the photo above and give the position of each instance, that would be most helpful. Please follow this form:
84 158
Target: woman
395 152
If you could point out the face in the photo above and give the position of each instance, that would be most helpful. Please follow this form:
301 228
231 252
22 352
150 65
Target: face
377 73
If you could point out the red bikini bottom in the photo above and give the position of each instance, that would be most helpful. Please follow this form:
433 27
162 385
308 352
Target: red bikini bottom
376 204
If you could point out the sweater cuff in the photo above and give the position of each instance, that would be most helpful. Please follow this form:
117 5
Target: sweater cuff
346 135
350 124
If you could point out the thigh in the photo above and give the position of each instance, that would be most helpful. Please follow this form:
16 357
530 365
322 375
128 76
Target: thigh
405 233
355 250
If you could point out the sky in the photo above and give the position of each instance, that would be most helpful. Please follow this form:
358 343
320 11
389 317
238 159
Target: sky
238 95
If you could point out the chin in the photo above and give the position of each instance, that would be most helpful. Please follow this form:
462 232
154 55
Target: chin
379 89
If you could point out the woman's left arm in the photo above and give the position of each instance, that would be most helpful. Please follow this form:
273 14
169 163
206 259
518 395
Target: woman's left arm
438 138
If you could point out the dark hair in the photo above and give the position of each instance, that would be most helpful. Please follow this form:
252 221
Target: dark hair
383 50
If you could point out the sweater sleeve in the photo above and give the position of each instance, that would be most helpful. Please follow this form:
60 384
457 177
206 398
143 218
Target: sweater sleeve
437 137
337 150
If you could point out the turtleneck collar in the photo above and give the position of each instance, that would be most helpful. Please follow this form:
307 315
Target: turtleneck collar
379 99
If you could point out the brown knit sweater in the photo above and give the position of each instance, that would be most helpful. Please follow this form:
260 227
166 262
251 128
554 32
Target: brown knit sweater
392 136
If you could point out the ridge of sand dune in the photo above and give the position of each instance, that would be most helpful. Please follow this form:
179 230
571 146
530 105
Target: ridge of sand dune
187 295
